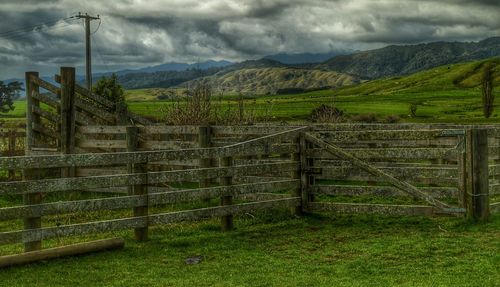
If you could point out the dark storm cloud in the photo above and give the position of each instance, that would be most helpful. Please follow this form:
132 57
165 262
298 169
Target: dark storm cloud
137 33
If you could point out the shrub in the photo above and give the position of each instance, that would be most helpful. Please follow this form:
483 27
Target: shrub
366 118
327 114
392 119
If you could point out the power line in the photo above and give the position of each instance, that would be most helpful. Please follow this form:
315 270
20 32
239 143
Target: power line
22 34
33 27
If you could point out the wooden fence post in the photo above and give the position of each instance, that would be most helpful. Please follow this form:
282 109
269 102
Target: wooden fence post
304 177
311 178
67 110
141 233
34 222
31 118
477 193
205 141
227 221
297 174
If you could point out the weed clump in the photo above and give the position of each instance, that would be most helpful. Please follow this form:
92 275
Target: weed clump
327 114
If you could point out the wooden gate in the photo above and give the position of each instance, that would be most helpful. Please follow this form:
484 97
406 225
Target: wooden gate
433 167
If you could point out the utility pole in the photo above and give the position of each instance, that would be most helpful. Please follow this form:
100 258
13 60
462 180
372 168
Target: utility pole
88 55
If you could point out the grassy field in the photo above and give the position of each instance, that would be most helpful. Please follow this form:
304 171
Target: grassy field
444 94
276 250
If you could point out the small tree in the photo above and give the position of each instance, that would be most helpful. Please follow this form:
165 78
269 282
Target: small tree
8 93
413 110
487 91
110 89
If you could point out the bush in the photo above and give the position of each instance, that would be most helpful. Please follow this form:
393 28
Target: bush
110 89
366 118
392 119
327 114
413 110
198 109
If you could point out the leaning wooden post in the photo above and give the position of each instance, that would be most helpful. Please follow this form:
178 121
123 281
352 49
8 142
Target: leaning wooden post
141 233
477 199
227 221
33 222
205 141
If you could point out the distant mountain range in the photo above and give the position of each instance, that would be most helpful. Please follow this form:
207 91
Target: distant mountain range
403 60
306 58
308 71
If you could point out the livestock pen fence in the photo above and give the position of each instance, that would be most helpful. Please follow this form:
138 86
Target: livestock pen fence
92 168
391 170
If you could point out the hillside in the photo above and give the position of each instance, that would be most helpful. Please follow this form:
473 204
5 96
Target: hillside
461 76
260 81
404 60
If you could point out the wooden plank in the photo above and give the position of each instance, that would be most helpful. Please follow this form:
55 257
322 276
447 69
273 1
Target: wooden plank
357 190
192 175
129 223
102 130
104 144
391 153
45 114
95 159
374 135
438 142
403 186
94 97
84 119
433 176
83 172
382 209
95 111
46 99
45 85
46 131
250 130
154 198
155 145
163 129
57 252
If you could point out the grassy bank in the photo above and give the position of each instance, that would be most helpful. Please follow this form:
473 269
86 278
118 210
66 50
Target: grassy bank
276 250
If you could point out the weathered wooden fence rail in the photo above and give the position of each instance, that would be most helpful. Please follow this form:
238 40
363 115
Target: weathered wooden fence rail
452 170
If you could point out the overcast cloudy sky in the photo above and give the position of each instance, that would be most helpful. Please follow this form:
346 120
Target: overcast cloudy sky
137 33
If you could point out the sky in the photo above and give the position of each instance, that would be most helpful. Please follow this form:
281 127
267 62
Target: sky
140 33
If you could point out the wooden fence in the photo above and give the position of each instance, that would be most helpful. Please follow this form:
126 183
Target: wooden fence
138 176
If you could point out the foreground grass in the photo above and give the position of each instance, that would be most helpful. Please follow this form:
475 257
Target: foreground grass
276 250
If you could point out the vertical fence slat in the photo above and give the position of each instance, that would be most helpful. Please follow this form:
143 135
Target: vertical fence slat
227 221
